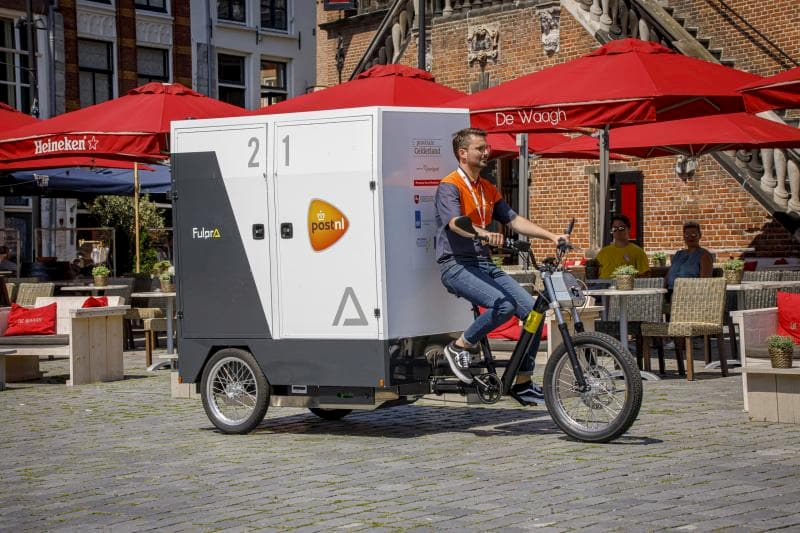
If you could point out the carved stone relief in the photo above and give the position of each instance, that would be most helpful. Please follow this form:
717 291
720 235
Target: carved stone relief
96 24
483 43
550 20
154 31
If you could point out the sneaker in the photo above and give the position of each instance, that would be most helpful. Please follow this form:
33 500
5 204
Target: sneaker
528 393
459 359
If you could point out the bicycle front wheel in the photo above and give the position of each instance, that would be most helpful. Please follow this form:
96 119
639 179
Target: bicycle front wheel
610 405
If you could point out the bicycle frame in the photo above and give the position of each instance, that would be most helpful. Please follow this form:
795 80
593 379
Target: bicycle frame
529 329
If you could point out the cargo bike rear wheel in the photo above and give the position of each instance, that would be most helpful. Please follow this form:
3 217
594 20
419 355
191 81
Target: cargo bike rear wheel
235 391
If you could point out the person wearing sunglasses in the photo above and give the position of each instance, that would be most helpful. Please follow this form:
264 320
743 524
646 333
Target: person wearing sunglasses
692 262
621 251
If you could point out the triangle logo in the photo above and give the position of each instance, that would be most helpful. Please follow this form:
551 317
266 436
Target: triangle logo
326 224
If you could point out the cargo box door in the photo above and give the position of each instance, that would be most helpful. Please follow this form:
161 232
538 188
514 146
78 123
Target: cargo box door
327 282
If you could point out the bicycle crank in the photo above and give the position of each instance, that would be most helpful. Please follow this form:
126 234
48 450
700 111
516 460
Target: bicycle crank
488 387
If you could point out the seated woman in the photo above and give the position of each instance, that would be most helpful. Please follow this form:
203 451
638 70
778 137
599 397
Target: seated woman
694 261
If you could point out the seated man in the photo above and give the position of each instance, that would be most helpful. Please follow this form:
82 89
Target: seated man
5 263
621 251
694 261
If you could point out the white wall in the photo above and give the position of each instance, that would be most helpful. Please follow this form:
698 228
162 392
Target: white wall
297 46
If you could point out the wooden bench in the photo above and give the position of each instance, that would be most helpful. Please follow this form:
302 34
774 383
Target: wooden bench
91 338
768 387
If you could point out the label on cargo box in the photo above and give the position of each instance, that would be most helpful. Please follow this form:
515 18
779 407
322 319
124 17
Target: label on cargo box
326 224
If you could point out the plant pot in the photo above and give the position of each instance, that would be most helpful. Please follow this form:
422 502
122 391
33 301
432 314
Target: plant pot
780 357
167 286
624 282
100 281
733 277
659 262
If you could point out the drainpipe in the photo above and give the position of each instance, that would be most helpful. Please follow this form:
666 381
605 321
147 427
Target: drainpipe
209 56
51 56
422 40
32 60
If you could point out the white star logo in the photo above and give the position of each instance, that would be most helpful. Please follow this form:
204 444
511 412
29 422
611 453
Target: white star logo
93 143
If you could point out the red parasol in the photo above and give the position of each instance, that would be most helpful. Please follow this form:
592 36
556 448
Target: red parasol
396 85
11 119
624 82
133 127
775 92
691 137
66 161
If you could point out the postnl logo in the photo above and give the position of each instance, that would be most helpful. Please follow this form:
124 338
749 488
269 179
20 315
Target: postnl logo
326 224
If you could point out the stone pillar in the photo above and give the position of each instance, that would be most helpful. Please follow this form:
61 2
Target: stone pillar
605 18
596 10
780 195
448 8
794 186
768 181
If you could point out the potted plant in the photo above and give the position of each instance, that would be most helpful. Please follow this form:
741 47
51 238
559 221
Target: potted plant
165 272
780 351
623 275
100 274
659 259
592 269
732 270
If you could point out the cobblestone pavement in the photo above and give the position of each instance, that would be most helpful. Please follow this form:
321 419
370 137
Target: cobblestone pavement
124 456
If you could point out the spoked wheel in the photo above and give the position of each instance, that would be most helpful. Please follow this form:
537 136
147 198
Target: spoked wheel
330 414
235 391
610 405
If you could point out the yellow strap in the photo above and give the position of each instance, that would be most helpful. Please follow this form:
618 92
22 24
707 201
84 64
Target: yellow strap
533 321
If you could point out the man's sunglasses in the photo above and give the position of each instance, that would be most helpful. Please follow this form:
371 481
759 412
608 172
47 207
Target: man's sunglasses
618 228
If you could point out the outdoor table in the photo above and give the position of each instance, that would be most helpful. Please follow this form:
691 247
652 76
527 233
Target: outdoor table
93 289
623 319
170 297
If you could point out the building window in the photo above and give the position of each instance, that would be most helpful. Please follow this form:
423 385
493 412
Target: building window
152 5
232 10
274 14
273 82
15 85
231 85
152 64
96 71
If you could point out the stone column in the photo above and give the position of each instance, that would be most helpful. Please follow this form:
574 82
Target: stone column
596 10
768 181
794 186
448 9
780 195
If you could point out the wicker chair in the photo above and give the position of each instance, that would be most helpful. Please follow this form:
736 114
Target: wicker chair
28 292
141 283
638 309
761 298
698 305
12 284
790 275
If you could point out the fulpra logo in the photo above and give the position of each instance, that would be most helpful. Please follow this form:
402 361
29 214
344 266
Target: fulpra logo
203 233
326 224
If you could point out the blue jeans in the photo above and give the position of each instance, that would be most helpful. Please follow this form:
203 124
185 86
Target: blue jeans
482 283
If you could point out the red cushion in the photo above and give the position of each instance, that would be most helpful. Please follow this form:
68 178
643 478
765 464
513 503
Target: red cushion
510 329
31 321
750 266
789 315
575 262
781 261
91 301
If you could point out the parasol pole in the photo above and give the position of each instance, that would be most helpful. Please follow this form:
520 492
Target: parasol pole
136 210
603 185
522 178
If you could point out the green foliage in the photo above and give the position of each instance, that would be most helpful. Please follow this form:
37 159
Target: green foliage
779 342
733 264
100 270
163 270
117 212
625 270
660 256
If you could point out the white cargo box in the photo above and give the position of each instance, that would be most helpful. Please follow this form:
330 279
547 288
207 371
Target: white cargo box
346 202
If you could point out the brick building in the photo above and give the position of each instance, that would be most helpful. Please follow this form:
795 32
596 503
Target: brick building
744 201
